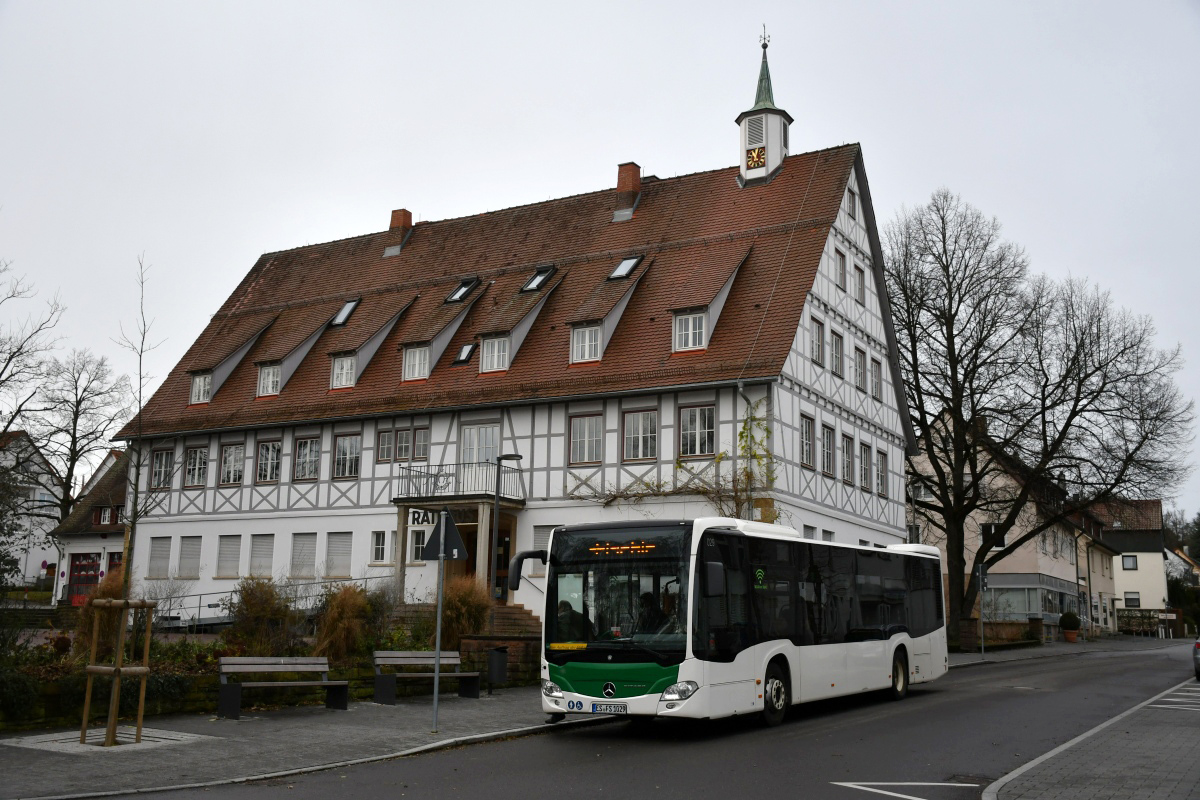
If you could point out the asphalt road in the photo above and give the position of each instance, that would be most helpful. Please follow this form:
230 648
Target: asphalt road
968 728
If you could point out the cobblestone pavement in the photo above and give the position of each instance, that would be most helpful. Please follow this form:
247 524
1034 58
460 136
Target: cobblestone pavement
1149 753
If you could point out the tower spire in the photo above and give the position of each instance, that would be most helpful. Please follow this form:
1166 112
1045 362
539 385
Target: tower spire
764 98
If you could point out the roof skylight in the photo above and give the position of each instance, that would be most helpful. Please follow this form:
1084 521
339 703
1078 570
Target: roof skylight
625 267
538 280
345 313
464 353
462 291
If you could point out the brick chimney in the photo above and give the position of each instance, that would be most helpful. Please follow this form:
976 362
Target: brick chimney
629 187
401 220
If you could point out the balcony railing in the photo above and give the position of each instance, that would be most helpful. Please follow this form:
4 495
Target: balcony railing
445 481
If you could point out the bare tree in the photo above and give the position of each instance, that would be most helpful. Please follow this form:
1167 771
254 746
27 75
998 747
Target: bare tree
1025 393
137 340
83 403
25 344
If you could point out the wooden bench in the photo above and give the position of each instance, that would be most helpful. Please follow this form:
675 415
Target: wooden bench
229 698
385 682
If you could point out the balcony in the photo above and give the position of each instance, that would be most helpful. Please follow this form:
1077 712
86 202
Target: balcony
422 483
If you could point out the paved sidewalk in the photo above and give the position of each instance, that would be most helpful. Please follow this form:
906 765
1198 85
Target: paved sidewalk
1122 644
200 748
1151 751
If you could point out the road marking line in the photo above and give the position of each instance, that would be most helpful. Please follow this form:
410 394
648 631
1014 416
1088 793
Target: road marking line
992 792
1178 708
867 786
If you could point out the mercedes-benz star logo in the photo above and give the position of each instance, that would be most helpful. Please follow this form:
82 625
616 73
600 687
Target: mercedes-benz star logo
610 689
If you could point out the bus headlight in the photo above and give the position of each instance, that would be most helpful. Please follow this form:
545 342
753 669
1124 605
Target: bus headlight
680 691
550 689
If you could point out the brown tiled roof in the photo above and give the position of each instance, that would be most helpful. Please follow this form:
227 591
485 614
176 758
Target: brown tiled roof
1131 515
693 231
108 491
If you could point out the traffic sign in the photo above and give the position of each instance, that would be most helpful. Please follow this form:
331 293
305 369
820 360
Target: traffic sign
455 549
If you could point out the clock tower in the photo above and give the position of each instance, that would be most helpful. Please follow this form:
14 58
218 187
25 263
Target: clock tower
763 131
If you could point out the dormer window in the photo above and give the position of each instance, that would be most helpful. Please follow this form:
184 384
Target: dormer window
626 267
345 313
494 357
416 363
201 388
689 331
538 280
268 379
585 343
343 372
464 289
464 354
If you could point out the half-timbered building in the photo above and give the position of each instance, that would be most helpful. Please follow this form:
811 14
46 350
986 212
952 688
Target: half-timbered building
616 340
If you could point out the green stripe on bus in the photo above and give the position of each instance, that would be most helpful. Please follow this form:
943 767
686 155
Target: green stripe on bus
630 680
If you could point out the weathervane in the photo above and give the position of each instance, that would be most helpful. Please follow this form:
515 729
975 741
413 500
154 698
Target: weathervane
764 40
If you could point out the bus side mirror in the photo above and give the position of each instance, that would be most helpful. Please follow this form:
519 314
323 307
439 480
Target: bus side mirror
714 579
514 567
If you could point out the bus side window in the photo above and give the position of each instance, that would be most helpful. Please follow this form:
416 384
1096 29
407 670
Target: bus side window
723 627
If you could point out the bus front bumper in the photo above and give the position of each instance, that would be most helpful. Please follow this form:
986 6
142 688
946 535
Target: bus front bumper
639 706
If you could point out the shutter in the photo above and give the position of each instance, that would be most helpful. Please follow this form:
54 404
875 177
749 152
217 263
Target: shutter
229 556
189 557
304 555
337 555
754 131
160 557
541 541
262 548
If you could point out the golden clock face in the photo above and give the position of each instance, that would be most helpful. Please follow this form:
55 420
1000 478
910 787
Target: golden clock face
756 157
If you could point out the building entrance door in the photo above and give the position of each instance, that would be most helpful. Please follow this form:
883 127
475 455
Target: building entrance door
85 574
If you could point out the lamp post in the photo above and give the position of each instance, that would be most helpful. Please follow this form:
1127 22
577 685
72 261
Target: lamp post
491 569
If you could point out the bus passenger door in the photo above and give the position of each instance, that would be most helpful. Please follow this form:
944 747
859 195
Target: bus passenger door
724 636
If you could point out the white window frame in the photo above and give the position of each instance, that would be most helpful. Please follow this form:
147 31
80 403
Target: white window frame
416 363
695 422
860 285
807 434
268 379
837 354
876 379
690 332
233 464
848 459
864 466
347 456
860 369
641 435
494 354
828 450
342 374
201 388
306 458
379 548
272 464
385 446
852 206
416 545
106 515
585 343
479 444
818 342
587 439
162 468
195 472
881 476
839 275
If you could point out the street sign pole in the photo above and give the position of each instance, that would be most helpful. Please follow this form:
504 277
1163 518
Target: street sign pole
437 647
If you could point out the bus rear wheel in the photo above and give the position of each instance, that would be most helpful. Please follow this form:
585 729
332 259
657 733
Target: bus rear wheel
899 688
776 696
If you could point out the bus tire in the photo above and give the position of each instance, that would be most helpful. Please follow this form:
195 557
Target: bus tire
899 688
777 696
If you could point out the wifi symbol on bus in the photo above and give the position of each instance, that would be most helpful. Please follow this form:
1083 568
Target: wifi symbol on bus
760 575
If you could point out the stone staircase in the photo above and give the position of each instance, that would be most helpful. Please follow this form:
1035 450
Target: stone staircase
63 617
512 620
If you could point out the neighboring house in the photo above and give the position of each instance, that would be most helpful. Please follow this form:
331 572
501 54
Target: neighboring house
92 537
1043 577
1097 581
1135 529
618 341
1183 566
39 497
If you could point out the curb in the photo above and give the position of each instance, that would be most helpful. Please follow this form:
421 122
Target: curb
475 738
982 662
992 792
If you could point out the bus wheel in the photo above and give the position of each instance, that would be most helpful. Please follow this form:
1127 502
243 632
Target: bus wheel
899 676
776 696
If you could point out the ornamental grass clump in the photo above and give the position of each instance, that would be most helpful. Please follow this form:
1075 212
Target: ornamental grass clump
465 608
344 626
262 620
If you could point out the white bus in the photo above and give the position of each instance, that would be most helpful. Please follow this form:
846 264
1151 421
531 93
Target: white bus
716 616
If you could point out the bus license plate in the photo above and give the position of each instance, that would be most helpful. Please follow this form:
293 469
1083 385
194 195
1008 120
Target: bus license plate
610 708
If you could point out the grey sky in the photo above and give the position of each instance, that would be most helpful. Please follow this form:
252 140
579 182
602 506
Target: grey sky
206 134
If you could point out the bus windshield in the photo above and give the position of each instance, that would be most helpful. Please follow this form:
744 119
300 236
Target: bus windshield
618 594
